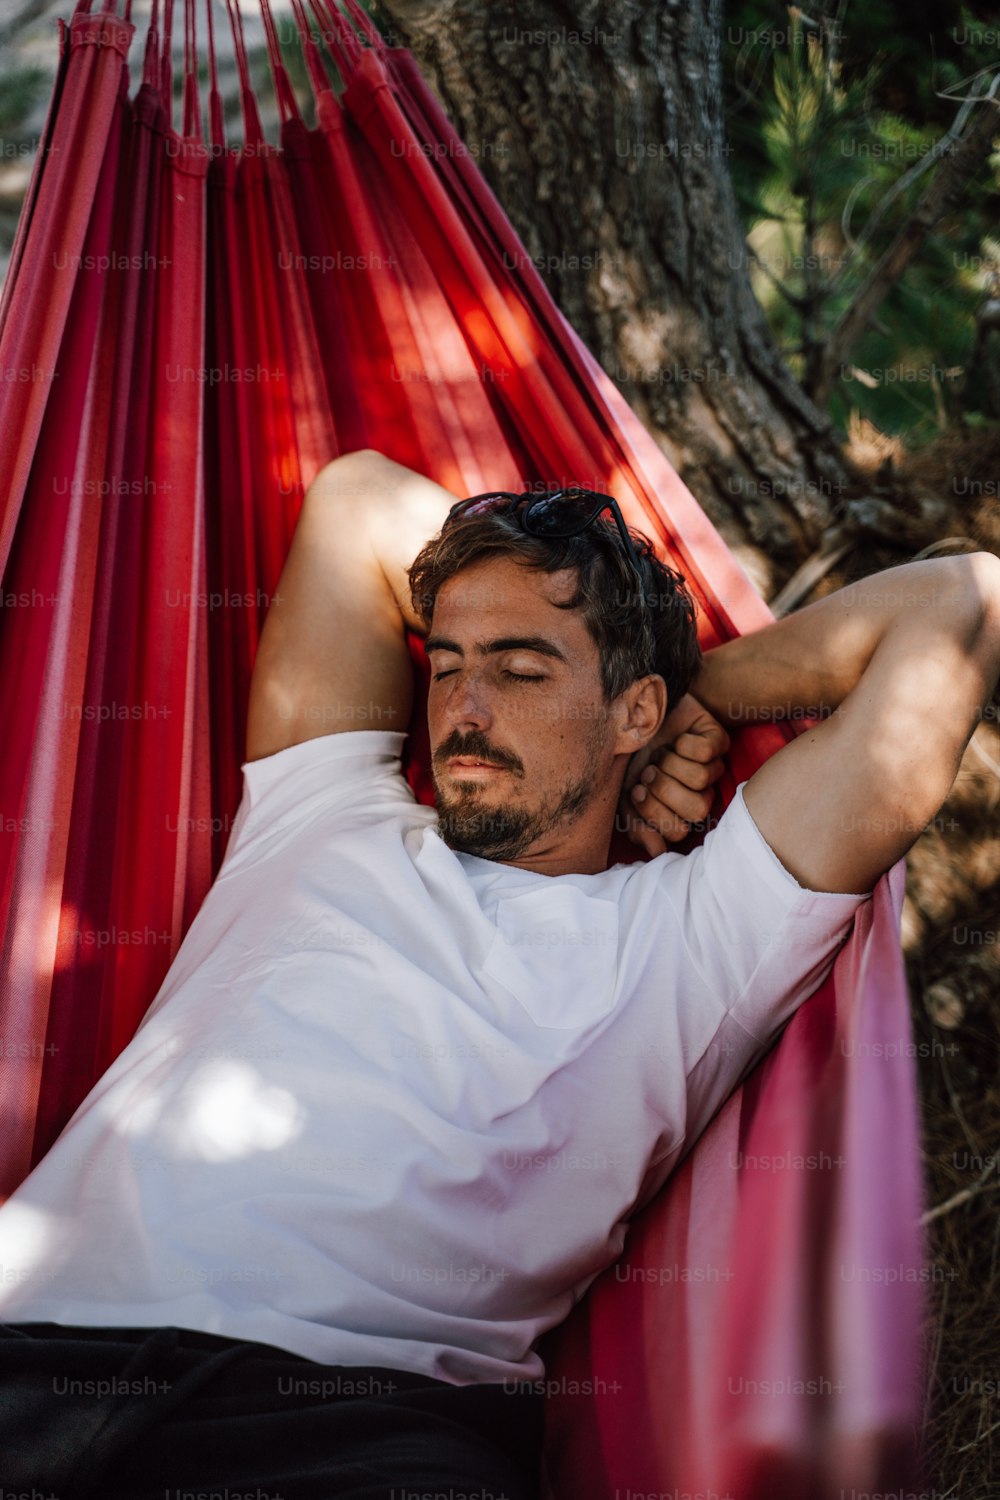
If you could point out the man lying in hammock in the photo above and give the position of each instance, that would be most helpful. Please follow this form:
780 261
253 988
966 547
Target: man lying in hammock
413 1069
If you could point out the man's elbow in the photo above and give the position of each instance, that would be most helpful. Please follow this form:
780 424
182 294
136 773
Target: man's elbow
980 619
984 587
356 465
960 609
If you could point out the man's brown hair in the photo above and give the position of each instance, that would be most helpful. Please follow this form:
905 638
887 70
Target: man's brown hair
632 639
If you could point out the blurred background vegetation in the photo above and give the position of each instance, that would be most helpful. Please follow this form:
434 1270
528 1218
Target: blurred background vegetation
820 197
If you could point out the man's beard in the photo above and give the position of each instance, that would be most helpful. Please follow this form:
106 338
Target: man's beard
471 822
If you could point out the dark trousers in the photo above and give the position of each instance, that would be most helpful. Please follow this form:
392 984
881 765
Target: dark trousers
173 1414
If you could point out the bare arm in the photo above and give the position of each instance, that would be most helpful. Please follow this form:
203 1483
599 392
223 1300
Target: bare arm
904 662
812 660
333 653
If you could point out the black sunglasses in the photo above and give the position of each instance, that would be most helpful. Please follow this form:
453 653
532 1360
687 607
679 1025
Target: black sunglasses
555 513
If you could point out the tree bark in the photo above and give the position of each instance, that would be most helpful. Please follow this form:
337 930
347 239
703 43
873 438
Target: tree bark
600 127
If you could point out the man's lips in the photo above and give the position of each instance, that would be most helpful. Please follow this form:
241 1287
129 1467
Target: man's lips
461 764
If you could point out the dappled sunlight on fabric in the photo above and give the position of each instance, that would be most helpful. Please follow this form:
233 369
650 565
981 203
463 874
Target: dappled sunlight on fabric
30 1228
480 331
67 933
288 471
58 922
226 1112
526 326
142 1116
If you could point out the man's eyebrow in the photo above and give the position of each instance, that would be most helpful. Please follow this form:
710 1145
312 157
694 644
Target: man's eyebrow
538 643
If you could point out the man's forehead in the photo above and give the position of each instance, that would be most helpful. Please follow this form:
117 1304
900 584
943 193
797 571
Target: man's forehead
486 609
500 584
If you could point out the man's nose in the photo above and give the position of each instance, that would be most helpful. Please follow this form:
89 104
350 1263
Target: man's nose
468 703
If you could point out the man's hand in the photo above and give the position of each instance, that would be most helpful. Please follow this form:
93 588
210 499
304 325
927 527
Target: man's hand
668 783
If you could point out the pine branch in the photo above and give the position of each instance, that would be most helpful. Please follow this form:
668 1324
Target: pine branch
790 297
899 187
949 181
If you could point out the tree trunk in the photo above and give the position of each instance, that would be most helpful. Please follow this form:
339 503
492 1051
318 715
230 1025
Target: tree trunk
601 130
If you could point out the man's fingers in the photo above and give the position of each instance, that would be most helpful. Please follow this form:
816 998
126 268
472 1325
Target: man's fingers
665 796
653 842
670 826
688 716
703 744
668 802
690 773
698 775
638 762
642 834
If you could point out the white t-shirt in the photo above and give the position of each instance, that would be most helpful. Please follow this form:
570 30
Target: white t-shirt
393 1105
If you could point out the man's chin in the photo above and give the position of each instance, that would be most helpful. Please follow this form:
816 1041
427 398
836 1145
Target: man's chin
489 832
488 828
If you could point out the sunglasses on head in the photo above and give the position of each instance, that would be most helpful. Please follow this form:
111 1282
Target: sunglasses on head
555 513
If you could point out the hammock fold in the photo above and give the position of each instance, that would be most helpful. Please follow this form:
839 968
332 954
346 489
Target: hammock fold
203 327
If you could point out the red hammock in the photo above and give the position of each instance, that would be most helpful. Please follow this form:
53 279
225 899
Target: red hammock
187 333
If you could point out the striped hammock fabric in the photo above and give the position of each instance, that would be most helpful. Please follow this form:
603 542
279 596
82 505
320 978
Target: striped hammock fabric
189 331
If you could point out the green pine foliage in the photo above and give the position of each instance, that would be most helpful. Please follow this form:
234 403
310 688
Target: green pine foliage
835 120
22 88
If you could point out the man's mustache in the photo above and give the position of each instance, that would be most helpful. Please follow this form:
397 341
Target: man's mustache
476 749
